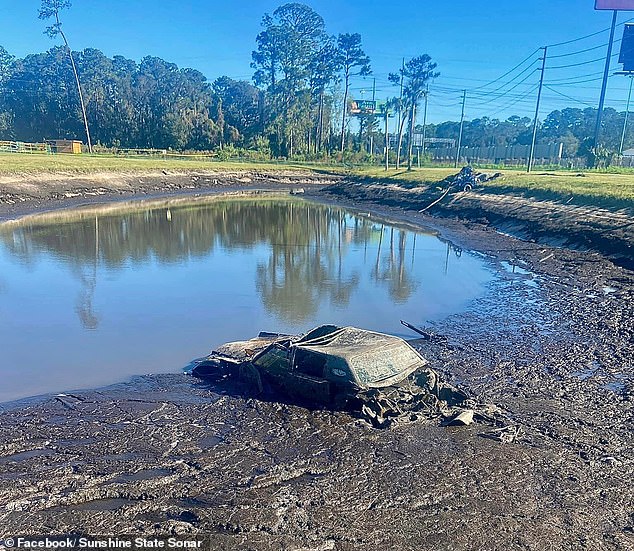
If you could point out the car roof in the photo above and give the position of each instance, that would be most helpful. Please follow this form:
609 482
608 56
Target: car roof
375 359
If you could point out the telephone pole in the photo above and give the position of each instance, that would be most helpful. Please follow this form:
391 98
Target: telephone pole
464 100
539 97
604 86
425 120
372 119
410 140
627 113
400 97
387 140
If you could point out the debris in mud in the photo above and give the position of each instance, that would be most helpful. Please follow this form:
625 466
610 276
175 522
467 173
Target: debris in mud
468 178
465 180
379 377
505 435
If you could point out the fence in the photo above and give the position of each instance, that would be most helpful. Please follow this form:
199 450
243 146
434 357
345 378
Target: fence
24 147
514 154
130 152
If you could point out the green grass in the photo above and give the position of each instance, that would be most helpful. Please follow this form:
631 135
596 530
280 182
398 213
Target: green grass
30 163
584 187
589 187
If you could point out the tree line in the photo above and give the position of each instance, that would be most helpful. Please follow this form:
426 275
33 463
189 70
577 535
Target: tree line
298 106
151 104
571 126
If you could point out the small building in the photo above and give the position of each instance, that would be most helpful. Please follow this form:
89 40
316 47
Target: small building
628 153
65 146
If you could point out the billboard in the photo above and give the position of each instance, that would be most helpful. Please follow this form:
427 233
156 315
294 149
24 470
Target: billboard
626 5
362 106
627 49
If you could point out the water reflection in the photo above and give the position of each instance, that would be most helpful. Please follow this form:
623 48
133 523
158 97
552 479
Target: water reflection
307 244
132 289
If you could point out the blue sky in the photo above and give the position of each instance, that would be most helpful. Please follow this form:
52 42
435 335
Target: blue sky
473 42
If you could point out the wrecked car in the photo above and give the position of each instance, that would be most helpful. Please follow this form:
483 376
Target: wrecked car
380 377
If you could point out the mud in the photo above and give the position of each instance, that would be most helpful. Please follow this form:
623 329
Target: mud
28 193
552 344
558 221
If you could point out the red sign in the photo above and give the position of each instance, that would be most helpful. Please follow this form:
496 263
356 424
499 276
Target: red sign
626 5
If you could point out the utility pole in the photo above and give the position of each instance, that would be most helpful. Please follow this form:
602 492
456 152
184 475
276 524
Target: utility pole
400 97
425 120
372 119
539 98
464 100
627 112
604 86
410 140
387 140
400 118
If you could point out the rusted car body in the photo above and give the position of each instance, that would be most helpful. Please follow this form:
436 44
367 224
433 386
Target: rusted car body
381 376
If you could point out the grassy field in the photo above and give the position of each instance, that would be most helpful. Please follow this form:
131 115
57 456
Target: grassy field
589 186
592 186
29 163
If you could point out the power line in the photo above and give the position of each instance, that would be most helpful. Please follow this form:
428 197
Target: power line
568 97
578 82
491 93
584 51
451 94
516 102
587 36
508 72
510 89
583 63
578 76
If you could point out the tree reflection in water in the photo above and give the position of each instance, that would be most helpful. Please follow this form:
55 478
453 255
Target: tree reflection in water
307 245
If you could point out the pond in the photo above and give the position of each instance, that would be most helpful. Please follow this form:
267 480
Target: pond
89 297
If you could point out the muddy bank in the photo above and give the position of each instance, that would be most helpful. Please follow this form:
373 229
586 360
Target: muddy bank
28 193
560 223
551 344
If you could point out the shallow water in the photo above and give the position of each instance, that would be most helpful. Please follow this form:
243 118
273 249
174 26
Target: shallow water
92 296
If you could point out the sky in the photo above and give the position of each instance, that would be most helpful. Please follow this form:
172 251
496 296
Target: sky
474 43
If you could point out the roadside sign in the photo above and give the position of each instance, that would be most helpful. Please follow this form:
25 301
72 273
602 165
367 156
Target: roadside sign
621 5
367 107
627 49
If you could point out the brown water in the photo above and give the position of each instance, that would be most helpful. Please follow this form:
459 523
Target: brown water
93 296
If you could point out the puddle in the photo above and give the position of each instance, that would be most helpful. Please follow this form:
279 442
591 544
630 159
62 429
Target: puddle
209 441
22 456
619 384
102 505
145 474
585 374
524 276
515 269
618 388
146 287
